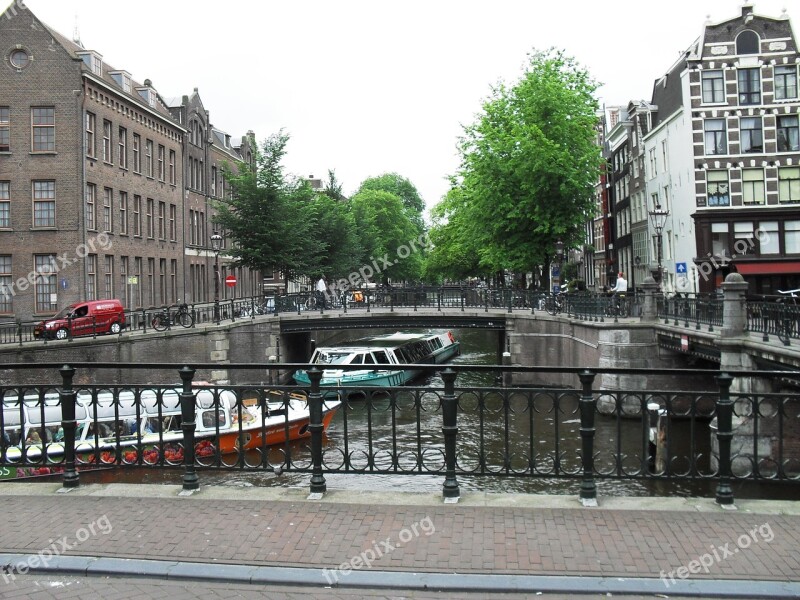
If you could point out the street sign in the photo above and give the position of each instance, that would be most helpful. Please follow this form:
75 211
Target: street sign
680 268
230 280
133 280
556 271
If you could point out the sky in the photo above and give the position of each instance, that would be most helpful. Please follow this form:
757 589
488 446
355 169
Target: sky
366 87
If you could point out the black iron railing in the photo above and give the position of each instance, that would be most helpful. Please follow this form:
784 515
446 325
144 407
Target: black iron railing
578 431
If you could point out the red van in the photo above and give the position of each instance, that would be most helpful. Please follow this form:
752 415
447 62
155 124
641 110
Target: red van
83 318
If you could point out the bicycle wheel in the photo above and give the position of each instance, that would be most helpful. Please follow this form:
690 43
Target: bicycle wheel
551 306
160 323
186 319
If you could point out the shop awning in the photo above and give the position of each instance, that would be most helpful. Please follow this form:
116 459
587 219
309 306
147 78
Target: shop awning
768 268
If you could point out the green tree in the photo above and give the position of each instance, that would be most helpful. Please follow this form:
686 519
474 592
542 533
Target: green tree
338 251
391 241
333 188
269 218
530 163
402 188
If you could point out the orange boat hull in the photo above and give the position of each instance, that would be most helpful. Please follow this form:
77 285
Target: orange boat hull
251 438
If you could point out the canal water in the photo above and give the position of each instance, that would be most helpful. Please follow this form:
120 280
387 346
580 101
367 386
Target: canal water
512 438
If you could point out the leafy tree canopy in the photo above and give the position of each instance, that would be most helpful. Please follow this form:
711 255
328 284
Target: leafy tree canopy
403 189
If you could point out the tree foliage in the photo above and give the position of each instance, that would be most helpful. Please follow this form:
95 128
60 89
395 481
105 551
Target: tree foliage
402 188
528 166
269 218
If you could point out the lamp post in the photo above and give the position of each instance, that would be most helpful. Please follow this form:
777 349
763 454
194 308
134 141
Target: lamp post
658 218
560 260
216 244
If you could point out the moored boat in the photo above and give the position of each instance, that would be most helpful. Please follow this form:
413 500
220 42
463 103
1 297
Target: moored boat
144 427
388 360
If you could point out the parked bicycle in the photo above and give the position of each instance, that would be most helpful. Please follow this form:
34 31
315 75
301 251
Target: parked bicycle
555 303
787 318
167 318
618 306
316 301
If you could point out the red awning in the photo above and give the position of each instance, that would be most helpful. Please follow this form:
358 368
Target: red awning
767 268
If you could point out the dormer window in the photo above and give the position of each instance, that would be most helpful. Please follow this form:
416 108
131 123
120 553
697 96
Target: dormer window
748 42
148 95
93 61
122 79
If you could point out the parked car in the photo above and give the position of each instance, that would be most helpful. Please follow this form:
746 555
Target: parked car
83 318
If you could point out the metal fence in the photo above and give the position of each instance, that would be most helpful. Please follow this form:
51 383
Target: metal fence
579 432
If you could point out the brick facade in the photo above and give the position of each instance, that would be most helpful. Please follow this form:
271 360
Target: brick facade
105 185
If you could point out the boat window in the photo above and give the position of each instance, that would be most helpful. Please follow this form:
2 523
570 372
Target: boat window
381 358
332 358
358 359
208 419
368 360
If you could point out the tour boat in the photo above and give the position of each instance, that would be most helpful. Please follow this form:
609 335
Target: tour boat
388 359
148 422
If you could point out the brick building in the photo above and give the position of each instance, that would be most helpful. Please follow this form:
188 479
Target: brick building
104 186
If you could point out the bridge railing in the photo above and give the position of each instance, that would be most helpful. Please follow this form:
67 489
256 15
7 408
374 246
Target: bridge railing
779 317
578 432
692 310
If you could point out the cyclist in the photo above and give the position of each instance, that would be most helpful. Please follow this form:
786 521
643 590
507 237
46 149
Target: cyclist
322 293
619 290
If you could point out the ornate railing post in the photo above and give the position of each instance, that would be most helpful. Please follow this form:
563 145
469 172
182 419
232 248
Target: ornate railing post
588 406
318 485
67 397
188 416
724 437
450 431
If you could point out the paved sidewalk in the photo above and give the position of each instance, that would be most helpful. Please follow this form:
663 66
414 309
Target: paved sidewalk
485 544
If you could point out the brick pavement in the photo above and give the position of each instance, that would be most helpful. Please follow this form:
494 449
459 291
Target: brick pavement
504 535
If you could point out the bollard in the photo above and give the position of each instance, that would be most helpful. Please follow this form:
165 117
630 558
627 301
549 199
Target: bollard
67 397
188 415
588 406
318 485
724 437
450 431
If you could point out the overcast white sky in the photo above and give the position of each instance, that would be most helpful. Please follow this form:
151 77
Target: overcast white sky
366 87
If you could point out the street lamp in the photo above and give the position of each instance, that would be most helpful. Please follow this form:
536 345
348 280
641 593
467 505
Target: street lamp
216 244
658 218
560 259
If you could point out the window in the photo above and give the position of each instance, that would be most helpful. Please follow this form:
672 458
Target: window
753 186
214 181
91 203
108 279
791 237
751 134
172 178
123 278
92 60
162 210
173 279
5 204
713 84
161 172
137 215
749 86
150 218
162 279
717 188
716 139
5 125
89 135
108 194
19 59
786 83
107 156
148 157
91 277
45 288
789 184
122 140
44 203
151 267
123 213
719 239
768 239
743 238
653 163
137 157
43 129
788 134
6 288
747 43
173 231
664 155
137 289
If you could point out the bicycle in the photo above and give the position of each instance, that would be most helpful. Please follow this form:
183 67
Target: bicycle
618 307
166 319
554 304
787 322
316 301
